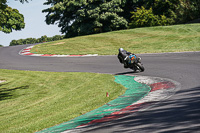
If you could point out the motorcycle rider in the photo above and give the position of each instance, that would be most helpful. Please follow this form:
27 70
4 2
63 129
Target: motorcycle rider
123 57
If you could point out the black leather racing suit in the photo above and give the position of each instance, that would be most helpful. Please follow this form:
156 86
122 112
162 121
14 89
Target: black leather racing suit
123 57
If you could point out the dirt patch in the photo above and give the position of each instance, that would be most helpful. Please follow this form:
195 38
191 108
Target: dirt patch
58 43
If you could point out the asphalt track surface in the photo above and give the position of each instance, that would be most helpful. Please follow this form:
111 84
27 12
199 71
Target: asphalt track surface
180 113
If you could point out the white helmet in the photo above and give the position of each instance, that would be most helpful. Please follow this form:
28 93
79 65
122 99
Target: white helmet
121 49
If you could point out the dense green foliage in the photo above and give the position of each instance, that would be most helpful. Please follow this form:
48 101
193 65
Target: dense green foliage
144 17
10 19
34 40
85 17
164 12
187 10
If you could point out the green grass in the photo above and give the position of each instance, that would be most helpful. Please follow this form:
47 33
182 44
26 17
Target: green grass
31 101
176 38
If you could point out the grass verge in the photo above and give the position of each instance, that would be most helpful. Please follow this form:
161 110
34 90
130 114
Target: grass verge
176 38
31 101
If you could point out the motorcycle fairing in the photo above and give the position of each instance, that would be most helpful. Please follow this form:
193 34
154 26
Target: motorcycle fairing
132 59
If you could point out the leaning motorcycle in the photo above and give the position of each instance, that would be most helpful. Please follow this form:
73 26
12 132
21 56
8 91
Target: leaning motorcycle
134 63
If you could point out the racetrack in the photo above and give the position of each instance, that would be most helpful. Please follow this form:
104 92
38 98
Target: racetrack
179 113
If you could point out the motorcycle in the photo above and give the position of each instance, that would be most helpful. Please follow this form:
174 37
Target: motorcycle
134 63
130 60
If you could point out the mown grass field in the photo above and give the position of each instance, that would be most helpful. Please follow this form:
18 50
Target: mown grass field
176 38
31 101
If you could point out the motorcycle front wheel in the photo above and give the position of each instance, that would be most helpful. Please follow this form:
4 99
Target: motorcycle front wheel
140 67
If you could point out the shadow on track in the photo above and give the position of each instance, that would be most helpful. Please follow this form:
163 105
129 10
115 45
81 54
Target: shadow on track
124 73
183 112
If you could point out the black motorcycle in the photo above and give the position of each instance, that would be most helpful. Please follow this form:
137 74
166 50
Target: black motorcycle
134 63
130 60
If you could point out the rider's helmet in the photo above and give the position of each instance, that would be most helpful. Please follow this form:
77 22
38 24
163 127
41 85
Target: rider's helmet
120 50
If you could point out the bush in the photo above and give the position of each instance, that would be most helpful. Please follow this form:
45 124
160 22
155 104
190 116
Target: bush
187 10
34 40
145 18
165 12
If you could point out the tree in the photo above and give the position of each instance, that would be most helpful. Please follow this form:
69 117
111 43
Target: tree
44 38
34 40
187 10
13 43
85 17
146 18
57 37
20 41
164 12
10 19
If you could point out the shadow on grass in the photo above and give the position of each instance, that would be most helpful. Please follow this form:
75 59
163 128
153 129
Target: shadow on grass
6 93
178 114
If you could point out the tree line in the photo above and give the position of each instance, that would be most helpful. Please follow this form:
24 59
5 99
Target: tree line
84 17
34 40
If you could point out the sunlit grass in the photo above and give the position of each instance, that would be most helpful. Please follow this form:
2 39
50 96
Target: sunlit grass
176 38
31 101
